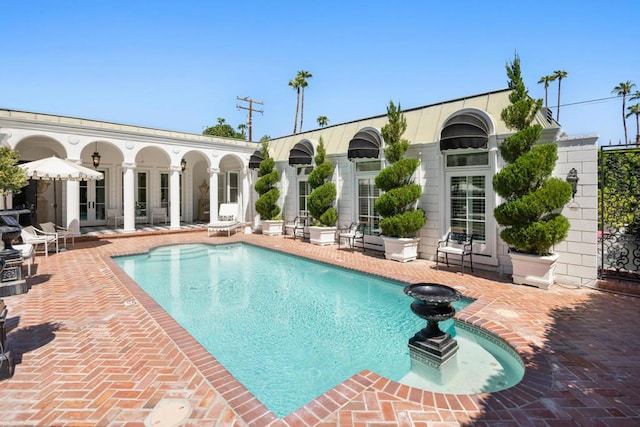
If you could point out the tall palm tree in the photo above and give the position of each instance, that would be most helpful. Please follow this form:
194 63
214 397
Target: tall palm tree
546 80
635 110
623 89
559 75
302 77
322 121
295 84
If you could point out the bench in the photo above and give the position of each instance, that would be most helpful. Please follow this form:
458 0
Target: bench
458 244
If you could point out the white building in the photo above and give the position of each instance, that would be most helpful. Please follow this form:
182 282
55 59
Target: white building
456 142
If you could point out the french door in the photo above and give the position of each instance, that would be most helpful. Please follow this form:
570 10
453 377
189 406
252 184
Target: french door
93 201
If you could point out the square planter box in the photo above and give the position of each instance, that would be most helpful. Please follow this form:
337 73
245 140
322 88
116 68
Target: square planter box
272 227
534 270
322 235
401 249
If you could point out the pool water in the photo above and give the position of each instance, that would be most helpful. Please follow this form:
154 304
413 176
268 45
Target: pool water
287 328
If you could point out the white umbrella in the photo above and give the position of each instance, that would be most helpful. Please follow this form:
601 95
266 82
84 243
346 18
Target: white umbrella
55 168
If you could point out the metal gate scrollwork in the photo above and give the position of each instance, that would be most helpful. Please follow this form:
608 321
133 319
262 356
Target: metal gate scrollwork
619 210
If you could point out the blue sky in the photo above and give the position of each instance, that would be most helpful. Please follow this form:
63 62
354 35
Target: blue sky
180 65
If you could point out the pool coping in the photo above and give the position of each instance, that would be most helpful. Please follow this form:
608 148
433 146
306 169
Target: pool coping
536 381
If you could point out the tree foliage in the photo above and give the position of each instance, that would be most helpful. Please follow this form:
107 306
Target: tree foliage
225 130
12 176
396 205
265 186
531 196
323 194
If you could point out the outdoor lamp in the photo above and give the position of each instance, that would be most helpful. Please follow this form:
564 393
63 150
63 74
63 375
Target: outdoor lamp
96 157
183 164
572 178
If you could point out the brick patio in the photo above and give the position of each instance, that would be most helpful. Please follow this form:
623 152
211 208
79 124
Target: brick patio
92 349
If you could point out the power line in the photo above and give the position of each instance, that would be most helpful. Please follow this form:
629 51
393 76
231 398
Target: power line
251 110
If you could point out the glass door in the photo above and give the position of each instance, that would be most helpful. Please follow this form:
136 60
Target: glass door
93 201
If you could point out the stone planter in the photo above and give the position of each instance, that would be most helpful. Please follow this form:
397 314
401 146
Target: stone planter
534 270
272 227
322 235
401 249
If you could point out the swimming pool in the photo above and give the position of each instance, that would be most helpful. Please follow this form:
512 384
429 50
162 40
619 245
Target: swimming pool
289 329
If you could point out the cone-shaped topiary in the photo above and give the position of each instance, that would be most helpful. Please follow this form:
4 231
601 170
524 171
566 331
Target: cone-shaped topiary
531 196
266 205
396 205
323 194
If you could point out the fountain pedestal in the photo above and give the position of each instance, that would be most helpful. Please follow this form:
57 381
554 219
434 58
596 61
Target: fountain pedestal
431 346
11 280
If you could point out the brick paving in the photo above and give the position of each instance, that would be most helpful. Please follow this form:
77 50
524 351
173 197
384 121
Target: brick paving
92 349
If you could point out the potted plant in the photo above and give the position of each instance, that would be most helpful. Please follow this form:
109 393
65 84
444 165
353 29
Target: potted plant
320 201
532 198
401 219
12 177
266 205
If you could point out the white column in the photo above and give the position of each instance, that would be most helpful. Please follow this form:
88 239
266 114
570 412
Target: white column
129 201
213 193
174 196
244 174
73 203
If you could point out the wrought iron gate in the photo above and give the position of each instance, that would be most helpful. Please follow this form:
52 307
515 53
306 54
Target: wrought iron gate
619 211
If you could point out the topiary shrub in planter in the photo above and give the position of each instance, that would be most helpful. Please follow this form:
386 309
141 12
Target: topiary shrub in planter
532 198
320 201
265 186
401 220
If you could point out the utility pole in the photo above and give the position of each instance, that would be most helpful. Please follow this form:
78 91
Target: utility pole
251 110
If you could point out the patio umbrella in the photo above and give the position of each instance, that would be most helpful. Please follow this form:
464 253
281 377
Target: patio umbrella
55 168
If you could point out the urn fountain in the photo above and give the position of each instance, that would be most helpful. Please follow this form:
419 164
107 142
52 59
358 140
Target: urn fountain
432 302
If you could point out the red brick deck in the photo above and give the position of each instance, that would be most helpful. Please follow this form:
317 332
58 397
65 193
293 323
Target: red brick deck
86 355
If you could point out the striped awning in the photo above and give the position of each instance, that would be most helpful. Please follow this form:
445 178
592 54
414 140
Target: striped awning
365 144
301 153
465 130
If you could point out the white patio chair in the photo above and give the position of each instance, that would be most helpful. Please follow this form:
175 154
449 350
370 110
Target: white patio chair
115 216
160 213
227 220
35 236
63 232
27 252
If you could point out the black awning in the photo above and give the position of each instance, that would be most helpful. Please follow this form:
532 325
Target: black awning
464 131
255 160
365 144
301 153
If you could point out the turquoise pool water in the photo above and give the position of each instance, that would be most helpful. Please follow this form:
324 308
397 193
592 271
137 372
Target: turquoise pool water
287 328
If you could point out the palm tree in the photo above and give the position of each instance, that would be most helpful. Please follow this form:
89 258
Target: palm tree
623 89
546 80
295 84
635 110
559 74
322 121
302 78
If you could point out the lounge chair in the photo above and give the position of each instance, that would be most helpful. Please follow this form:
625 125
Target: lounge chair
227 220
35 237
63 232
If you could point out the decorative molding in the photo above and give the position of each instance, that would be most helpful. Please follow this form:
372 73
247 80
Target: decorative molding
73 139
126 165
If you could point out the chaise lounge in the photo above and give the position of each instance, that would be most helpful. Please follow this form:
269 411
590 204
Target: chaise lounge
227 220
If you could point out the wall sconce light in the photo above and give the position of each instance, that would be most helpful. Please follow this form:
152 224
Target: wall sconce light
96 157
183 164
572 178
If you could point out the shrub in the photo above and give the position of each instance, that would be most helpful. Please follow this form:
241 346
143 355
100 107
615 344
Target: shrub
396 205
323 194
266 205
531 196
